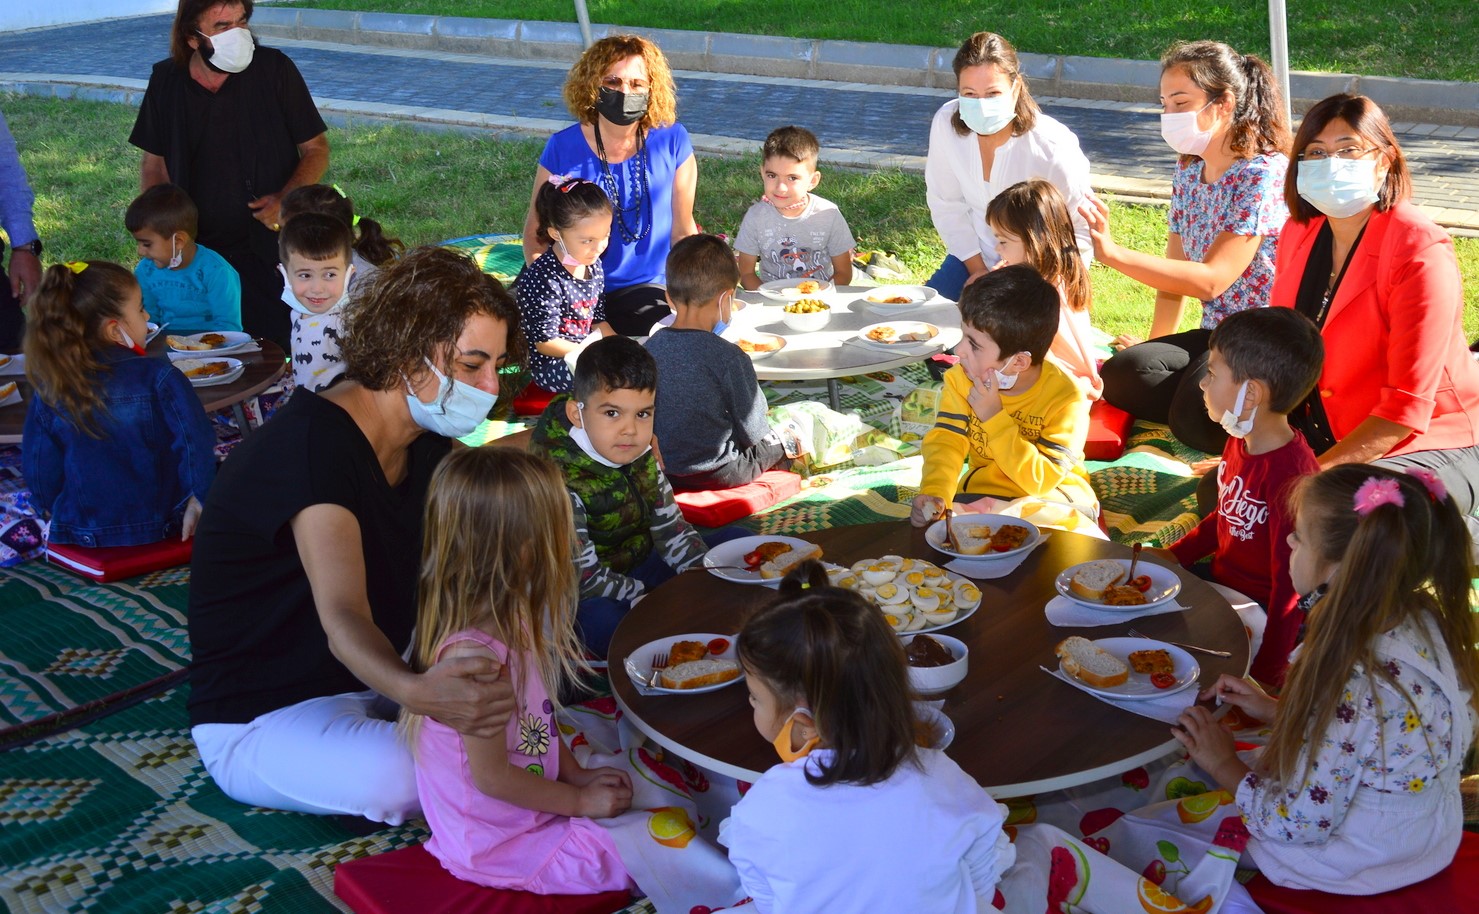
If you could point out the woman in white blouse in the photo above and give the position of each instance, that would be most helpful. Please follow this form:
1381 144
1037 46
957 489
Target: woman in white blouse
991 137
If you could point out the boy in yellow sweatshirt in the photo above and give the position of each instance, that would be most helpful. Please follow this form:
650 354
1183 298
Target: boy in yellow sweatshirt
1015 422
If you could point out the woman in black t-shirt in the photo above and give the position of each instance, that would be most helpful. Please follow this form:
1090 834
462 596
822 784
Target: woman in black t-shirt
303 585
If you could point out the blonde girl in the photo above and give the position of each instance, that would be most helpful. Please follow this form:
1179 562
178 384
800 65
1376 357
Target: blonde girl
854 803
116 446
498 581
1357 790
1032 226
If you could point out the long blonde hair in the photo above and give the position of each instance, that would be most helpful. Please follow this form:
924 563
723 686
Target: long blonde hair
1396 564
497 555
1036 212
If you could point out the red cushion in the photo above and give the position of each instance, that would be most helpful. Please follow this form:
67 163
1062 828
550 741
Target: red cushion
533 400
1455 888
411 881
1109 429
111 563
725 506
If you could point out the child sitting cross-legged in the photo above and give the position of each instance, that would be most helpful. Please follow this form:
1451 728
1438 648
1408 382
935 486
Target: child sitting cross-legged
316 269
711 416
632 535
1012 421
1263 363
184 284
792 233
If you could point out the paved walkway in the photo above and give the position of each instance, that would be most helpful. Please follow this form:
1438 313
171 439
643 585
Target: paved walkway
867 126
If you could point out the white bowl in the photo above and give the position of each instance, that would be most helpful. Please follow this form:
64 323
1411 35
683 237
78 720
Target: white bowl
930 680
806 323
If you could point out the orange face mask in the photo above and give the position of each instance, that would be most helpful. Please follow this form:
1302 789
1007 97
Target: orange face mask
782 741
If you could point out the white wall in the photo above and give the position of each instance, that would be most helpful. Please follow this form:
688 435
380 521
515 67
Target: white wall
30 14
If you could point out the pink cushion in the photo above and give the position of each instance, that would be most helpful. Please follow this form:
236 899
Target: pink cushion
533 400
725 506
1455 888
1109 429
411 881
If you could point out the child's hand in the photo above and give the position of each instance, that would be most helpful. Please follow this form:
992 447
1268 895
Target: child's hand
1210 746
1243 694
925 509
607 794
984 399
192 517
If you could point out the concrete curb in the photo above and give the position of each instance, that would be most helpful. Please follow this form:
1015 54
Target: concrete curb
1065 76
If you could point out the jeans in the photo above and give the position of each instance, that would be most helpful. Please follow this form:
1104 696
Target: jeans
949 279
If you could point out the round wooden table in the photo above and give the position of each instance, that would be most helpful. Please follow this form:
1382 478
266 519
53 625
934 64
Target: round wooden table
262 369
1018 731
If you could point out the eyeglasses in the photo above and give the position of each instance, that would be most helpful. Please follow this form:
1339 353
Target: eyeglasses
628 85
1320 154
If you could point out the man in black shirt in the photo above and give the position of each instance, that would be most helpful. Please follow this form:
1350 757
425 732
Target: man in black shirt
235 126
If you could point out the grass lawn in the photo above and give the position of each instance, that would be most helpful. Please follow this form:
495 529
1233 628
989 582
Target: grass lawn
427 187
1427 39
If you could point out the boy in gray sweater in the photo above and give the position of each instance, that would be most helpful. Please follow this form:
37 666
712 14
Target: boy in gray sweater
710 415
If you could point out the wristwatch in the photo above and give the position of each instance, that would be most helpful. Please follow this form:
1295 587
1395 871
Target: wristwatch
33 247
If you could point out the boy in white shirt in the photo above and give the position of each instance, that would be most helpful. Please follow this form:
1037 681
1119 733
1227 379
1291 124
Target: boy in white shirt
792 233
315 251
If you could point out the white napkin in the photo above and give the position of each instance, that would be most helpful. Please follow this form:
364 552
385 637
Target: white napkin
1166 708
900 349
993 568
16 365
1065 612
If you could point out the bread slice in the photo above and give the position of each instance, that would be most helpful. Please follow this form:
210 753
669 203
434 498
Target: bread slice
972 539
778 566
1087 662
1155 661
695 674
1091 578
8 389
186 344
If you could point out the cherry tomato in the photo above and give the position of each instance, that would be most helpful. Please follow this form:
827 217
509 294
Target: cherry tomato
754 560
718 645
1163 680
1141 582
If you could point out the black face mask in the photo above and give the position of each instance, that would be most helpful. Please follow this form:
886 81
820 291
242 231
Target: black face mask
621 108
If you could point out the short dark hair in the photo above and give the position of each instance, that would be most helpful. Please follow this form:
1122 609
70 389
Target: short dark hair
614 363
796 143
187 20
700 269
559 206
163 209
1278 346
1014 306
1371 125
315 236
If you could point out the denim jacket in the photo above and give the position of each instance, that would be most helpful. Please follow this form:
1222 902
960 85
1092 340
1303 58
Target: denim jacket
130 486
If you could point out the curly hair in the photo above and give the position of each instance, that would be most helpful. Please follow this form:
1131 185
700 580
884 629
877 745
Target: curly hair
416 309
583 85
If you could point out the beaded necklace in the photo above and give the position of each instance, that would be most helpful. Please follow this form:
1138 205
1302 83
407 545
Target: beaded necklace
640 195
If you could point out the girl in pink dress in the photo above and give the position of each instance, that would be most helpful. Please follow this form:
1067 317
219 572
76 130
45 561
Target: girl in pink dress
1032 226
509 810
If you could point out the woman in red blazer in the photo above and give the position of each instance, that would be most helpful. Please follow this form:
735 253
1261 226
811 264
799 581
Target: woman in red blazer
1381 281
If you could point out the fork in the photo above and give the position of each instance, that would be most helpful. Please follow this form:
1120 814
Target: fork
1134 633
659 663
950 531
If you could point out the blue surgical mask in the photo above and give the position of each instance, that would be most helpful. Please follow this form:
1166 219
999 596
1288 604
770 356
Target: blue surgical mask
988 115
1338 187
1238 428
721 324
455 411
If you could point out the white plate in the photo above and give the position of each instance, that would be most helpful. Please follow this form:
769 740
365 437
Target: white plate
733 553
734 336
235 372
944 728
917 295
1164 585
960 615
935 535
639 662
900 328
1138 687
12 364
785 289
235 340
153 331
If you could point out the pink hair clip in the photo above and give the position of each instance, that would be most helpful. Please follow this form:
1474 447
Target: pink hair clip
1375 492
1437 491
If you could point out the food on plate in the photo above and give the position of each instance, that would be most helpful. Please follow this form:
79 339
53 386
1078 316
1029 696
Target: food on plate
979 539
1123 595
925 651
695 674
1163 680
807 306
213 340
686 651
785 561
889 299
8 390
926 734
1091 578
1008 537
913 594
759 344
1152 661
1089 663
718 645
808 287
4 360
764 553
1140 582
884 333
196 369
186 344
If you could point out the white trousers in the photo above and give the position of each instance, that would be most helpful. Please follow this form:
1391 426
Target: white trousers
340 754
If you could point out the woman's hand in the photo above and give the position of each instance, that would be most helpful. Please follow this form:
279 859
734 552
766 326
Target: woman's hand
1210 746
1125 341
1096 214
1243 694
192 517
470 694
607 793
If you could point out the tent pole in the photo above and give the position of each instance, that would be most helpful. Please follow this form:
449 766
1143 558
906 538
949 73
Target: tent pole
1278 34
583 16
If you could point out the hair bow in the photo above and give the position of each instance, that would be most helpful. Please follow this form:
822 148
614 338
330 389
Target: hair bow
353 222
1437 491
1378 491
76 266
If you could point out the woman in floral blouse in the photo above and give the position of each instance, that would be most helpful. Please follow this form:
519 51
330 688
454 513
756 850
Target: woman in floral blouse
1223 114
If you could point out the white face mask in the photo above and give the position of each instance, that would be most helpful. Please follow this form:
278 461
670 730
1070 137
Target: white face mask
176 256
1238 428
230 51
291 300
583 438
1181 133
456 410
1338 187
988 115
1004 381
